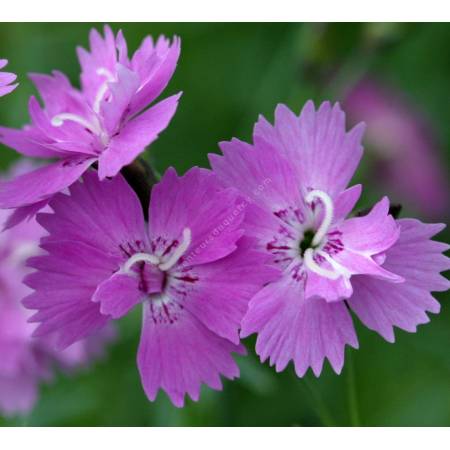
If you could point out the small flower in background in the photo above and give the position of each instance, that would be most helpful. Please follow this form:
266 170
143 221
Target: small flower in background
191 271
102 123
407 152
6 78
382 268
26 361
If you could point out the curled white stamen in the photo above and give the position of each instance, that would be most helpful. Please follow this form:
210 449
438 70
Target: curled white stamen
179 251
102 71
308 259
328 214
59 119
338 268
155 260
139 257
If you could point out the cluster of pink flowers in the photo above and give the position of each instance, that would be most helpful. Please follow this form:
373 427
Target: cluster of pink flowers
263 243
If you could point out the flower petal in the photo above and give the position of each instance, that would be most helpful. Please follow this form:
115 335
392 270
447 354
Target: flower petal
110 225
42 183
179 357
220 296
346 201
18 394
326 288
264 176
6 78
135 136
374 233
155 71
199 202
381 305
24 213
365 237
291 327
25 142
58 94
118 295
102 56
122 91
5 90
91 234
64 284
323 154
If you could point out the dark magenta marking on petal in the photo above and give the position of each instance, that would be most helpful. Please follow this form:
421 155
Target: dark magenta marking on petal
172 246
166 313
187 278
290 216
124 250
319 259
297 272
143 284
130 248
271 246
334 244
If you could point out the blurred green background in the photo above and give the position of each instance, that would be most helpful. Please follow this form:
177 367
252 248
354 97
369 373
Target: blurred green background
229 74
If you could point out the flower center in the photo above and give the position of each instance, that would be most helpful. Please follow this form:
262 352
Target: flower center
306 242
163 263
312 243
328 211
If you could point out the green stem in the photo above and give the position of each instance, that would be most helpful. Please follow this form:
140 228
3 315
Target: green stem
352 393
320 406
24 420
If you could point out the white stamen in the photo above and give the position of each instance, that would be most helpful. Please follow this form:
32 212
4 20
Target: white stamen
338 268
308 259
328 214
99 97
179 251
59 119
102 71
139 257
155 260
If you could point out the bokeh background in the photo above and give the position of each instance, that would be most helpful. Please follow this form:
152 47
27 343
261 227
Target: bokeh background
392 76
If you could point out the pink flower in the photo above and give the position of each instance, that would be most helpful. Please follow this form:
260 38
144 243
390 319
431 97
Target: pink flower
6 78
295 176
26 361
189 269
405 147
102 123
